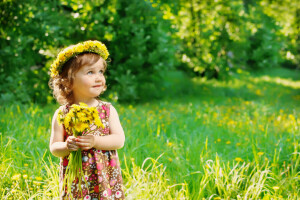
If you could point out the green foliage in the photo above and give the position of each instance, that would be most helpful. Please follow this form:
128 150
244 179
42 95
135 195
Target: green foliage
287 17
138 39
221 37
142 50
146 39
29 32
264 41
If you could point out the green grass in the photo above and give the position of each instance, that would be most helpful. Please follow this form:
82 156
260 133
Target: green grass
206 139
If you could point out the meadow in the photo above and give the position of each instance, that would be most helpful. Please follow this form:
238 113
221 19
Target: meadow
206 139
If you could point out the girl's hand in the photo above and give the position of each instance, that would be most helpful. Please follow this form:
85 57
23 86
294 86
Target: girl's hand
86 142
71 143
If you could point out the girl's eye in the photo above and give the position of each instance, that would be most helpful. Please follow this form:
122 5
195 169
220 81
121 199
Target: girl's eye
90 72
101 71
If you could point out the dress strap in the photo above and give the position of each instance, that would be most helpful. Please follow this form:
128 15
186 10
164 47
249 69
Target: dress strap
106 107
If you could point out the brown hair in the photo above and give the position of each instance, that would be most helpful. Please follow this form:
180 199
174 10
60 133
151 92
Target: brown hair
62 84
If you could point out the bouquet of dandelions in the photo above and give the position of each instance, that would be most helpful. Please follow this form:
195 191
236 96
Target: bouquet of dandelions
77 121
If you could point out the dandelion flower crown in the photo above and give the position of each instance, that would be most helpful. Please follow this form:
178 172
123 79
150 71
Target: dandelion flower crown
73 50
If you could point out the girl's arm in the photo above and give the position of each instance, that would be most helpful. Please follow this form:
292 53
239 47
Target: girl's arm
58 147
113 141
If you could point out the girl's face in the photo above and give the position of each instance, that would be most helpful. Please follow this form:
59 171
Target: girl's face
89 81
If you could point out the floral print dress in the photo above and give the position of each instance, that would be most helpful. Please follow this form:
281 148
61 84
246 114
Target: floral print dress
101 168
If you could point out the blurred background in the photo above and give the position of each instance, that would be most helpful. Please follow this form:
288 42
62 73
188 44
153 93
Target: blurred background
153 44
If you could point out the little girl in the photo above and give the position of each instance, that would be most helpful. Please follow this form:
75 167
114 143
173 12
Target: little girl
77 75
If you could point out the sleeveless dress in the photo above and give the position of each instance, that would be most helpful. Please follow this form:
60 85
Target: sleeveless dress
101 168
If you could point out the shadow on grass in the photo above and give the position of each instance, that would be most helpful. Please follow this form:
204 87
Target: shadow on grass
272 88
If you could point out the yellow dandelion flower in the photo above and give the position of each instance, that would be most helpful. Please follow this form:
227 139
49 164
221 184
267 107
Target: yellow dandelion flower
16 177
68 53
75 107
61 56
56 63
25 165
90 43
85 119
79 127
67 121
60 118
37 183
71 114
170 144
83 104
100 46
80 48
38 178
85 45
170 159
54 72
81 115
95 115
219 140
98 123
228 142
292 117
260 153
238 159
266 159
281 110
94 110
258 92
275 188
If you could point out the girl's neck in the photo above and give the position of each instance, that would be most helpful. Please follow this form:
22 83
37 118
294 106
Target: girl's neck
93 102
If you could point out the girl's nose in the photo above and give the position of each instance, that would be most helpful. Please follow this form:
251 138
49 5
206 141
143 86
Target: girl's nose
99 78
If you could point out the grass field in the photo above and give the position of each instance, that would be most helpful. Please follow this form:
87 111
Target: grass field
207 140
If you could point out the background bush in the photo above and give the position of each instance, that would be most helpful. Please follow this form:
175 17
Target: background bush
146 39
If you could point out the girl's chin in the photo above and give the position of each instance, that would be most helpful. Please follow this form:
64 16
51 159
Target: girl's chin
97 94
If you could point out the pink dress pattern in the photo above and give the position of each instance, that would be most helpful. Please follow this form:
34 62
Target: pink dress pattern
101 168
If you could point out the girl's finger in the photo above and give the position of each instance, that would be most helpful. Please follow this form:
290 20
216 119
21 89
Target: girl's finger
85 148
72 146
83 144
81 140
73 142
72 149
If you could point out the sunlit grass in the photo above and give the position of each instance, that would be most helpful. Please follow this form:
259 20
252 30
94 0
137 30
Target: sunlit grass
236 139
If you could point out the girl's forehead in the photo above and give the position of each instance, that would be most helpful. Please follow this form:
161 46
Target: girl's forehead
98 64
